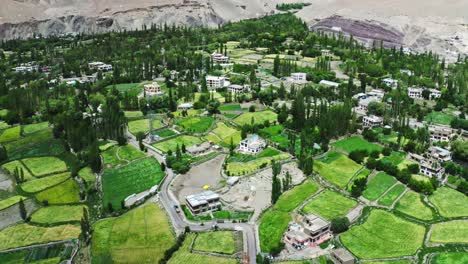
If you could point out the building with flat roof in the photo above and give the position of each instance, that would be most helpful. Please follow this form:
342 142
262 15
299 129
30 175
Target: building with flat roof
363 104
101 66
342 256
429 167
299 76
309 231
372 121
204 202
439 133
329 83
440 154
216 81
153 89
252 145
219 58
389 82
417 93
200 149
185 106
238 89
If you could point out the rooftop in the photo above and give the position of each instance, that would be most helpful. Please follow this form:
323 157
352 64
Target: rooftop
343 254
315 223
201 198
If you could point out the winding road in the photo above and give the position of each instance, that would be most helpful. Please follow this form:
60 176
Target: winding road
179 221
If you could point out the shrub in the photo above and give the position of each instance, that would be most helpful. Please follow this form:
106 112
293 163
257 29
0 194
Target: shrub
358 155
340 225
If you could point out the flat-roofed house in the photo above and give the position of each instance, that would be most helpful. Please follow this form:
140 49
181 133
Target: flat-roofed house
417 93
440 154
252 145
329 83
204 202
342 256
309 231
215 81
299 76
200 149
429 167
219 58
391 83
372 121
439 133
238 89
185 106
153 89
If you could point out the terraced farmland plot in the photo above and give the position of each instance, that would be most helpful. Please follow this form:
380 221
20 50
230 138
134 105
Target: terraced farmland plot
135 177
143 125
133 114
183 255
336 168
87 175
23 235
130 153
242 168
218 241
411 204
29 129
395 158
222 134
396 237
10 134
64 193
378 185
273 223
392 195
230 107
10 201
12 165
329 205
58 214
294 197
450 232
44 183
125 239
450 203
256 117
356 143
44 165
450 258
31 141
172 143
195 124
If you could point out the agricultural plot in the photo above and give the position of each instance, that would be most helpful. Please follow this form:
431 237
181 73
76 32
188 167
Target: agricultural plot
10 134
362 174
29 129
450 203
26 143
392 195
256 118
411 204
395 158
64 193
172 143
136 177
450 232
219 242
133 114
130 153
378 185
190 112
23 235
143 125
356 143
183 255
272 226
271 131
12 165
10 201
396 237
294 197
197 125
439 118
164 133
44 183
131 88
110 157
4 125
87 175
58 214
336 168
450 258
42 166
230 107
242 168
125 239
223 134
329 205
214 95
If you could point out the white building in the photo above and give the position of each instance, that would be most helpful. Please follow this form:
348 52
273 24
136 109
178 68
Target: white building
407 72
204 202
417 93
219 58
299 76
389 82
326 52
101 66
372 121
429 167
440 154
363 104
237 89
185 106
28 67
329 83
439 133
216 81
309 231
252 145
153 89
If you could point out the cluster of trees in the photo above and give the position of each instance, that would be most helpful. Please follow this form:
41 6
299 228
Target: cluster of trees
178 162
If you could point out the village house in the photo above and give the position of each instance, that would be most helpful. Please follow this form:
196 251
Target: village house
299 77
238 89
100 66
428 167
342 256
439 133
417 93
329 83
309 231
219 58
372 121
200 149
407 72
27 67
216 81
252 145
440 154
363 104
153 89
204 202
389 82
185 106
325 52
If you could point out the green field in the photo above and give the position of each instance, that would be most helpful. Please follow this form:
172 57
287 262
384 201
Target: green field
230 107
44 183
110 157
164 133
439 118
356 143
131 88
396 158
23 235
4 125
130 153
329 205
378 185
450 232
411 204
183 255
256 117
271 229
242 168
136 177
450 203
10 134
383 235
126 239
222 134
196 124
143 125
392 195
294 197
133 114
87 175
44 165
271 131
31 128
64 193
27 143
218 242
58 214
172 143
450 258
12 165
336 168
10 201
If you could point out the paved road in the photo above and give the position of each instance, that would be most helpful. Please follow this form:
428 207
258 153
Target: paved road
180 222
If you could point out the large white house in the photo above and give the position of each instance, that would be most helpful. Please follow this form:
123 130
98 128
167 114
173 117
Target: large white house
299 76
389 82
329 83
252 145
372 121
101 66
429 167
216 81
153 89
219 58
202 203
237 89
439 133
417 93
